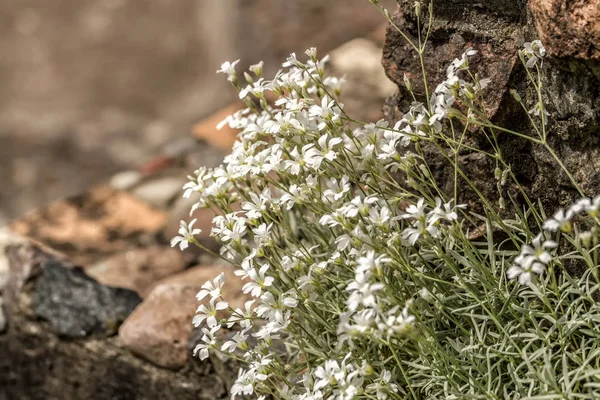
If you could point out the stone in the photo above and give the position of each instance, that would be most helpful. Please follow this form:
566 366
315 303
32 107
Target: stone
25 259
139 269
91 226
223 138
198 275
125 180
456 28
7 238
161 191
366 86
159 329
37 363
497 29
568 28
76 305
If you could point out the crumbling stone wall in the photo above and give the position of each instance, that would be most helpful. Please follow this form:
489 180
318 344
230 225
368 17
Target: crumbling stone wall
497 29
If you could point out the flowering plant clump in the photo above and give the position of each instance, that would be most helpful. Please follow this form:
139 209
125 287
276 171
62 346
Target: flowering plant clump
374 282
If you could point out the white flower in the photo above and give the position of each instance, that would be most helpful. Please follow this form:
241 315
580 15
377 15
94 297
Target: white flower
257 68
257 204
531 260
259 279
362 292
242 317
328 374
371 262
445 211
538 251
327 111
383 386
336 189
591 206
560 220
525 271
229 69
262 234
209 342
416 211
212 288
534 51
238 341
209 313
411 235
292 61
397 323
186 234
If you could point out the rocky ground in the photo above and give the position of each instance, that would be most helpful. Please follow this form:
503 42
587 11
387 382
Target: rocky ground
90 88
96 303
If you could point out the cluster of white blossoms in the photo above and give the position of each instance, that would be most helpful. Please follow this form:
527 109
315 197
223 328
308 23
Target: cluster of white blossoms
534 258
357 264
306 217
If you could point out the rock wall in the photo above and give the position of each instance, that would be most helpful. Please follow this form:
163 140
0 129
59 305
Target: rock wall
497 29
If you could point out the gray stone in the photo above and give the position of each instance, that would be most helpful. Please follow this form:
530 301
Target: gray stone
76 305
162 190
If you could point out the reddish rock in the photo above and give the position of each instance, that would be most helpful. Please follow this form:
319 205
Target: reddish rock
160 328
96 224
139 269
198 275
568 28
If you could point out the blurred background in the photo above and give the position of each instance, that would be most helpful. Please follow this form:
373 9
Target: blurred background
94 87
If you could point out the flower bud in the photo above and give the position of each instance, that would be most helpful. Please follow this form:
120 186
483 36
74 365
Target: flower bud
257 69
407 83
248 77
586 239
497 173
418 8
516 95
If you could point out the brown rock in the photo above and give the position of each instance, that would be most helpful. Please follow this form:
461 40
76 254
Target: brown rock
139 269
568 28
160 328
220 138
198 275
91 226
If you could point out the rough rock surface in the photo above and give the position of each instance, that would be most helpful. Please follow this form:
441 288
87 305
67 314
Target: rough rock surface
76 305
37 363
498 29
568 28
160 328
